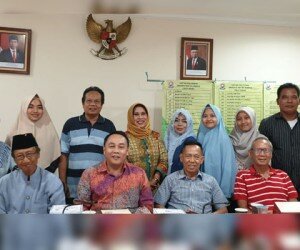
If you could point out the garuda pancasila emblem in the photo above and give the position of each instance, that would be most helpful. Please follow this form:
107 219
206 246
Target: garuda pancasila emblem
108 37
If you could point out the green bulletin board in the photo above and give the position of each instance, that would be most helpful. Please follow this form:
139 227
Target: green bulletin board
227 95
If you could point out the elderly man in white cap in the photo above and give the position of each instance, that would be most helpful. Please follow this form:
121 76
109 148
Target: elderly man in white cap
29 189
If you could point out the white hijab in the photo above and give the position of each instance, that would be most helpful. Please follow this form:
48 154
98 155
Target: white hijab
43 131
242 140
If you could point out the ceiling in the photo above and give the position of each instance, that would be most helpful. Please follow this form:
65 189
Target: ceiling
270 12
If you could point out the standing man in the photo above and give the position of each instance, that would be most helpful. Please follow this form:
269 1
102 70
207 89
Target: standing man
115 184
190 189
283 130
29 188
195 62
82 140
13 54
261 183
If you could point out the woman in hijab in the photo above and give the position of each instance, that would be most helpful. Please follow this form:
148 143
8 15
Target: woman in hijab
34 118
146 150
6 161
179 130
217 148
243 134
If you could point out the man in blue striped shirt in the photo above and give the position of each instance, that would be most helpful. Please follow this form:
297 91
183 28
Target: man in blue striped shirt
82 140
189 189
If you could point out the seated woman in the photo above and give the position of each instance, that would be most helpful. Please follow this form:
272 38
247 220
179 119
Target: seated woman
218 150
34 118
179 130
245 131
146 149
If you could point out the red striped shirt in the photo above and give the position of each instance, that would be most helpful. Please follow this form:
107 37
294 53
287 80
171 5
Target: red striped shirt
252 187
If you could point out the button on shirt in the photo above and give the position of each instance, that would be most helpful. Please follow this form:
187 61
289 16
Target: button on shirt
36 195
179 192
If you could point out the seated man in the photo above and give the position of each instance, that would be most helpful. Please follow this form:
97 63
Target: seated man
29 189
190 189
261 183
115 184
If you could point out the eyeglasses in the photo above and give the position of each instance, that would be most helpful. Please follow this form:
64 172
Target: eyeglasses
259 151
29 156
96 102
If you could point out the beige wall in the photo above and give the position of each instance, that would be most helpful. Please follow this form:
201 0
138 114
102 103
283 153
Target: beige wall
62 66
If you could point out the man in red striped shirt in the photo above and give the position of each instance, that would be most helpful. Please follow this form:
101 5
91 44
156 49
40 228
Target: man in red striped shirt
262 183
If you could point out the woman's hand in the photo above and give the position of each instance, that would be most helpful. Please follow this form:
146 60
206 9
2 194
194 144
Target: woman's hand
154 183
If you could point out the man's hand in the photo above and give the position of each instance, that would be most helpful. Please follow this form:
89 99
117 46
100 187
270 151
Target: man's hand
66 190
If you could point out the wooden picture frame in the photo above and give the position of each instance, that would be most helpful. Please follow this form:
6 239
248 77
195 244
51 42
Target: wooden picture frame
196 58
15 47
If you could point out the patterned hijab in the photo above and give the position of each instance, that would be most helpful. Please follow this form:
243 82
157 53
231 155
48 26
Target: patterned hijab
218 152
137 132
5 158
43 131
172 139
242 140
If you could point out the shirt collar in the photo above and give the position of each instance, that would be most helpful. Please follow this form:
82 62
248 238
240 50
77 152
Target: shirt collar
279 116
253 170
182 175
82 118
103 167
33 177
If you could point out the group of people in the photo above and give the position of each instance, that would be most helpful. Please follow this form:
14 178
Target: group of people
103 168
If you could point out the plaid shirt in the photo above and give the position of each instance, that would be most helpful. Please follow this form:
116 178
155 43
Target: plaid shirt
180 192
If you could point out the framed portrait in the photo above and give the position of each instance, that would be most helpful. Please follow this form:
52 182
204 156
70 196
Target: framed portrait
15 45
196 58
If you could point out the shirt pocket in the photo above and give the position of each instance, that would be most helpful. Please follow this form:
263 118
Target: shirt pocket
40 204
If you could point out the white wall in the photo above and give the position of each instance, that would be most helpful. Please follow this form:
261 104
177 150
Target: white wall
62 66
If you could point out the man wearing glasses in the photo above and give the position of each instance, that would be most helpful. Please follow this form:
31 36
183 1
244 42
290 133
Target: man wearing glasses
261 183
29 189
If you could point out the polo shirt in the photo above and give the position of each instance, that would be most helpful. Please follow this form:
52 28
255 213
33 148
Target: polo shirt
179 192
252 187
83 143
286 145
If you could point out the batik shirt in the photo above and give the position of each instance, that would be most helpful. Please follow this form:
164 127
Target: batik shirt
98 189
149 153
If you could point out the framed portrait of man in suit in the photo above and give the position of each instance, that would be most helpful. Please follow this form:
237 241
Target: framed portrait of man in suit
196 58
15 45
